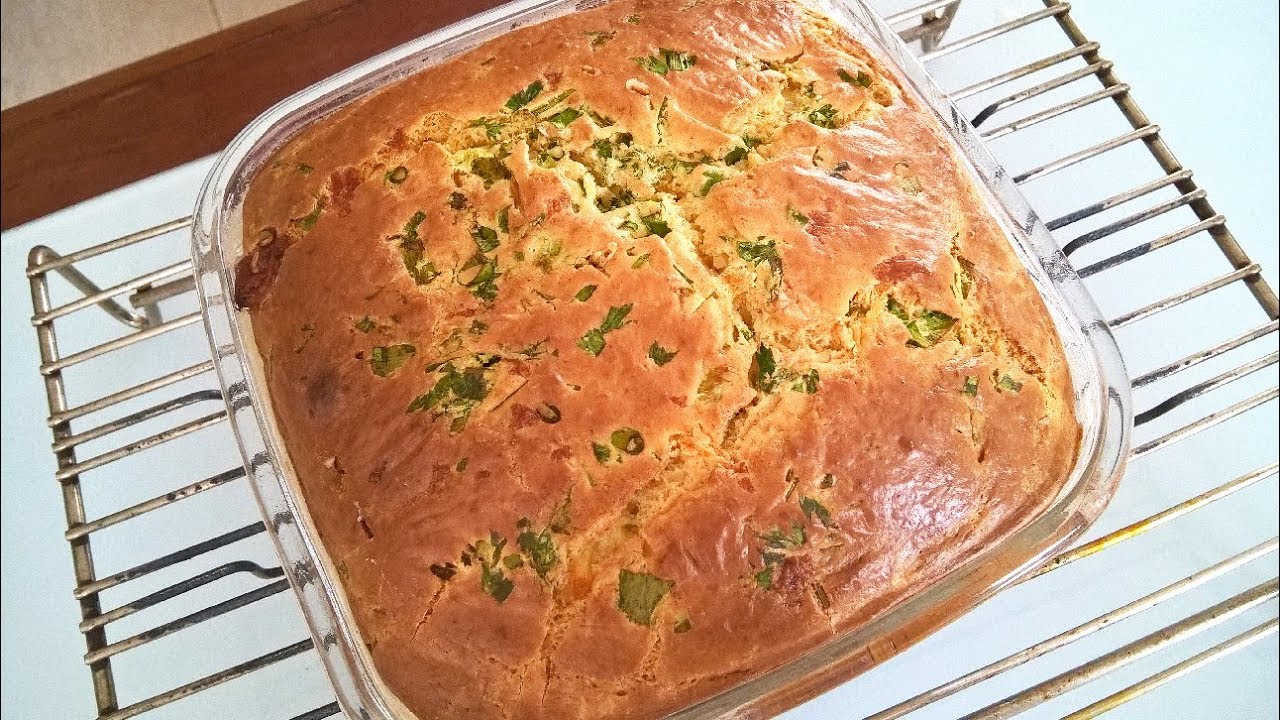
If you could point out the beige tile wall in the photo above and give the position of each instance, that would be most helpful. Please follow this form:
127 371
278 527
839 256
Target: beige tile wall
50 44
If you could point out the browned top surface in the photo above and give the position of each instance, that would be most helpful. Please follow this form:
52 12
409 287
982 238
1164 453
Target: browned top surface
768 508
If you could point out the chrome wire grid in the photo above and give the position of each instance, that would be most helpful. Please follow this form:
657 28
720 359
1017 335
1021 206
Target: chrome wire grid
168 405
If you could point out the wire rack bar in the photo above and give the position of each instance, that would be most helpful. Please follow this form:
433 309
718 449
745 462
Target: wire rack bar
166 418
1131 653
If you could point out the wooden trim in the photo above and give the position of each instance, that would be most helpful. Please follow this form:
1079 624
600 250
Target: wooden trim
190 101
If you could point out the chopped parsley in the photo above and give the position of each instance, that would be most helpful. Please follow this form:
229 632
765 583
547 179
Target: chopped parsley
656 224
760 251
308 221
971 386
640 262
639 595
683 625
780 539
563 118
812 508
305 169
540 549
797 217
926 328
667 60
494 583
385 360
962 284
457 392
827 482
478 327
615 318
457 201
660 355
824 117
525 96
764 578
602 453
492 128
861 79
484 283
735 156
486 238
585 293
763 367
490 169
413 251
712 177
628 440
559 98
603 148
503 224
593 341
365 324
1006 383
397 175
807 383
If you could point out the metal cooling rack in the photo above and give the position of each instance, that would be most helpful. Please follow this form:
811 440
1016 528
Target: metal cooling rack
1123 238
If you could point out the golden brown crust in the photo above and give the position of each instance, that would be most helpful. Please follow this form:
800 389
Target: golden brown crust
535 509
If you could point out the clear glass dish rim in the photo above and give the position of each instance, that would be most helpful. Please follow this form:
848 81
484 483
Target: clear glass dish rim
1102 455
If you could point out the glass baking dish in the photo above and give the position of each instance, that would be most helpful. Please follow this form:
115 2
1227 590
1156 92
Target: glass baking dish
1101 384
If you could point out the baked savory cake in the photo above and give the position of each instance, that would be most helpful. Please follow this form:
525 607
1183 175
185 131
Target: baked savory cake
629 355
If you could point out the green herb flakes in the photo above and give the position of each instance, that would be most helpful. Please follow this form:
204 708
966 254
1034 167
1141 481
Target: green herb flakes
824 117
1006 383
397 175
540 549
478 327
628 440
827 482
640 262
486 238
563 118
457 392
812 508
760 251
797 217
503 219
807 383
615 318
861 79
633 19
461 466
603 148
495 584
305 223
386 360
305 169
492 128
660 355
764 578
559 98
971 386
602 453
712 177
763 367
667 60
926 328
656 224
780 539
365 324
593 342
639 595
490 170
735 156
683 625
585 293
525 96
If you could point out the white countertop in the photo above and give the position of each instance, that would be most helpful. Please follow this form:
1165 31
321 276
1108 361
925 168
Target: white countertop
1206 72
